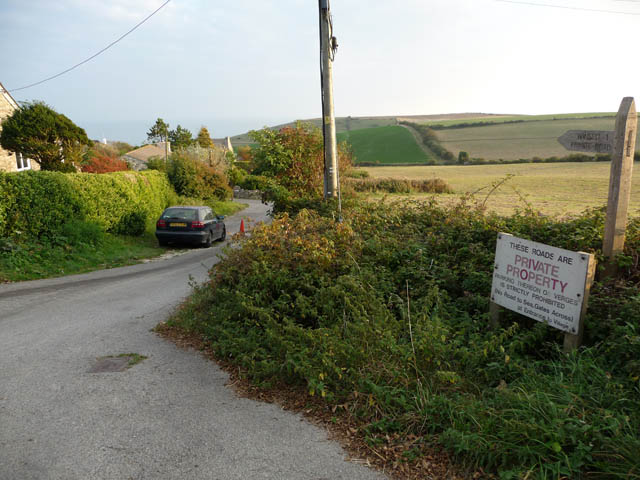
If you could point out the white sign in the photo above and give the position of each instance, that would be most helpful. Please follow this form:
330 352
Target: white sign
541 282
599 141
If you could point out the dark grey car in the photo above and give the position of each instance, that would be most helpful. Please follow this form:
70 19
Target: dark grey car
193 225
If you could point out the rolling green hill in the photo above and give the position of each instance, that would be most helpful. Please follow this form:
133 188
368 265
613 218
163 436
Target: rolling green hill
391 145
379 141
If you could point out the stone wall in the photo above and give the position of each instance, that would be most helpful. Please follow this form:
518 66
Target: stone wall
248 194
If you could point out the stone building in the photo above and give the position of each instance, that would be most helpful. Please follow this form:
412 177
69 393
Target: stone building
10 162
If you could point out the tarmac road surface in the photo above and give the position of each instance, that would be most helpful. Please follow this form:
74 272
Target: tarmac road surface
168 417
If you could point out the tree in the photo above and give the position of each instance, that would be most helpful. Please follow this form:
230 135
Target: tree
159 132
180 137
39 132
294 157
463 157
204 139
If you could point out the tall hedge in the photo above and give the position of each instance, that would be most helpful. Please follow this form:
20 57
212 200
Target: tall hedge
37 204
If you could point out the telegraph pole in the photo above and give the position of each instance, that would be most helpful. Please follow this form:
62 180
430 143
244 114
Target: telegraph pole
328 46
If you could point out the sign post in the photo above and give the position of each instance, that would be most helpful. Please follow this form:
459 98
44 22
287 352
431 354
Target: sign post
599 141
621 143
542 282
620 183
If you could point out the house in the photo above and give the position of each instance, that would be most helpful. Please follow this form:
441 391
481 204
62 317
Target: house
11 162
138 158
224 143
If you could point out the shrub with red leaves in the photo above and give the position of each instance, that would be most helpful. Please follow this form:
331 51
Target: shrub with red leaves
104 164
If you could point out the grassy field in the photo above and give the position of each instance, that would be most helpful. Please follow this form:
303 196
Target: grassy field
524 118
553 189
518 140
384 145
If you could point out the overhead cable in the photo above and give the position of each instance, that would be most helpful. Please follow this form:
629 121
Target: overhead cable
567 7
92 56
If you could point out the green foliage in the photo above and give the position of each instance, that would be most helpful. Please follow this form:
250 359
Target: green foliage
159 132
463 157
44 135
293 156
180 137
385 315
192 178
39 204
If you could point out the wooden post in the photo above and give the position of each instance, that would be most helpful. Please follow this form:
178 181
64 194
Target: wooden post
328 117
619 184
495 312
571 341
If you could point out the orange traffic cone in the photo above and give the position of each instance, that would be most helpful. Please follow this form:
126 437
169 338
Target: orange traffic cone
242 226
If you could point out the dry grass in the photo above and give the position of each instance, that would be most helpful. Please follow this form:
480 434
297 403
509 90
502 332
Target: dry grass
554 189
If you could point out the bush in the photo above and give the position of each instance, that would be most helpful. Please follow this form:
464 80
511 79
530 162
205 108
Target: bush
395 185
193 178
104 164
356 174
384 315
294 157
38 204
132 223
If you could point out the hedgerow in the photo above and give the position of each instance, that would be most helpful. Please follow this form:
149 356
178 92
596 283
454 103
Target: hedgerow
39 204
385 316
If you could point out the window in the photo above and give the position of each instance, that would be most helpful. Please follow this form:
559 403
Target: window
22 163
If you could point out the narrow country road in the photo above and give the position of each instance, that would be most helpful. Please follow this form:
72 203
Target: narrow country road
168 417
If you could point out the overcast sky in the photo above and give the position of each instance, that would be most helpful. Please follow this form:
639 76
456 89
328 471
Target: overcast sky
239 64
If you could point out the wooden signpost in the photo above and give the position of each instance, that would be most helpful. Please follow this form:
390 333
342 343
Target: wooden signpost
624 147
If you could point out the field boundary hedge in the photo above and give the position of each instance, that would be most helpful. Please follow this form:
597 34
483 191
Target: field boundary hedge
38 204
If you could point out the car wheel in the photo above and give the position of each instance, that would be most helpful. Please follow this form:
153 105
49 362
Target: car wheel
207 242
224 234
163 243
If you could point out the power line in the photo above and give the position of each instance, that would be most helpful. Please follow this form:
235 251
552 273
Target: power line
94 55
566 7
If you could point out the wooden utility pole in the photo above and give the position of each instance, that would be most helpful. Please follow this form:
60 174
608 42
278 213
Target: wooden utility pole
327 48
624 144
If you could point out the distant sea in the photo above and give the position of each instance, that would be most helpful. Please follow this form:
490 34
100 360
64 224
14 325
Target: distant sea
135 132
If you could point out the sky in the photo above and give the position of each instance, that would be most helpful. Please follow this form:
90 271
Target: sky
235 65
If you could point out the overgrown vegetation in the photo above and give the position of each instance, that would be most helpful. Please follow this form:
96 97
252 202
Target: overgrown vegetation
289 165
396 185
384 316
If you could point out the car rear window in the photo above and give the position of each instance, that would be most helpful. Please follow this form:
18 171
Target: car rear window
181 213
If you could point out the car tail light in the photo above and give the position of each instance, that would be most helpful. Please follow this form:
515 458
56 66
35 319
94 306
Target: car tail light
197 224
161 224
